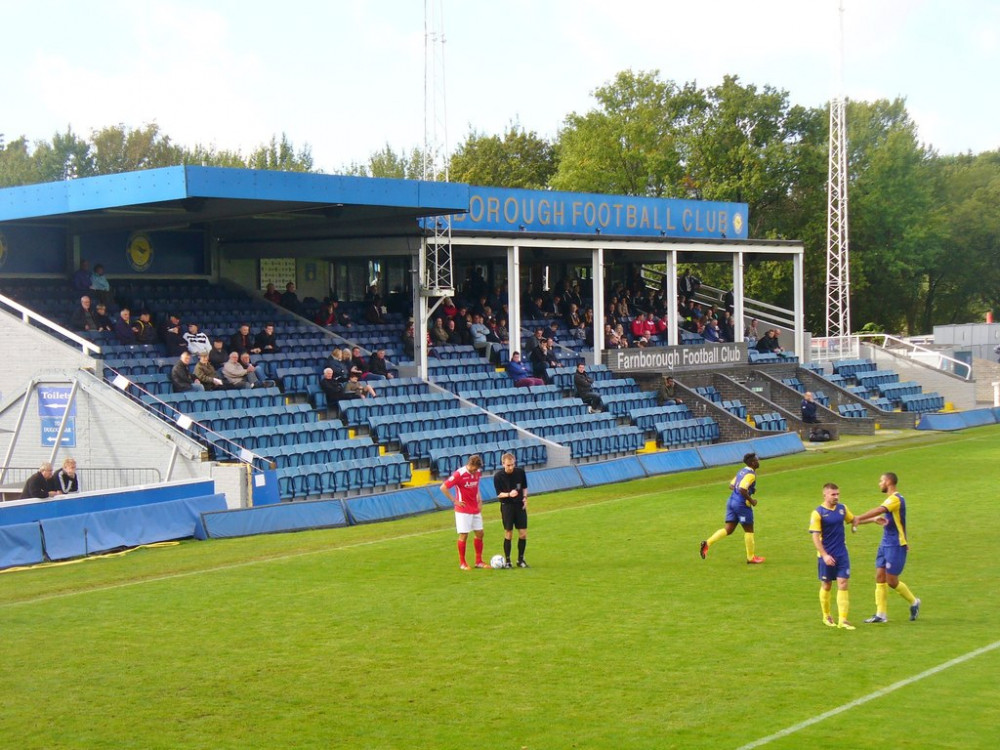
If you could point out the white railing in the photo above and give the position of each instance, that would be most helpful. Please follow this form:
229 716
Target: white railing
28 315
849 347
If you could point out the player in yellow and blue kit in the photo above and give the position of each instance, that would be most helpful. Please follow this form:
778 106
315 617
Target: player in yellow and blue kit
891 556
739 509
826 526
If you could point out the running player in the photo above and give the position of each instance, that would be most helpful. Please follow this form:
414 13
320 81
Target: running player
739 509
468 507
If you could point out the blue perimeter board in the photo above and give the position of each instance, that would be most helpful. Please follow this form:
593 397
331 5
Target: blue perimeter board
176 183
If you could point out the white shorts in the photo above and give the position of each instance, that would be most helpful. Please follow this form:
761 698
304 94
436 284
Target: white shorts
466 522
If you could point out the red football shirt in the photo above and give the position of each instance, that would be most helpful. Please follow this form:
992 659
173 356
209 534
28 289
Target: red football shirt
467 483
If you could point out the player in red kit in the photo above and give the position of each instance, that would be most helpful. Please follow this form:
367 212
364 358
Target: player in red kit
468 507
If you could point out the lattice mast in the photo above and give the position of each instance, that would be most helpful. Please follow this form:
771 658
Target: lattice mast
436 271
838 267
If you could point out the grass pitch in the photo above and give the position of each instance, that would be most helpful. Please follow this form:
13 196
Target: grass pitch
619 636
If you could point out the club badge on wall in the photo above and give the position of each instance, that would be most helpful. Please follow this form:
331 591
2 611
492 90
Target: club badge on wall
139 251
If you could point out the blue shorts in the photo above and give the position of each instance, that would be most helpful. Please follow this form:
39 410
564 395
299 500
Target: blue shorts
840 569
893 559
739 514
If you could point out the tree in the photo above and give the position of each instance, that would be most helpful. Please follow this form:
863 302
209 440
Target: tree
281 156
16 165
118 149
518 160
387 163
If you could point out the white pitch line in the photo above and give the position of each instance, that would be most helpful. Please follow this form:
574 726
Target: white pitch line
870 697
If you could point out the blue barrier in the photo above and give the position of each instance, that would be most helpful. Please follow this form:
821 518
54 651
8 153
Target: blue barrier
21 544
669 462
722 454
70 505
553 480
86 533
265 488
271 519
959 420
390 505
778 445
606 472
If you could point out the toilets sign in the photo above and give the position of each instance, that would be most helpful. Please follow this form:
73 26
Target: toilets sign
53 403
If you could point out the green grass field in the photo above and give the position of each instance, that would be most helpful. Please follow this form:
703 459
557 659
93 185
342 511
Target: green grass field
619 636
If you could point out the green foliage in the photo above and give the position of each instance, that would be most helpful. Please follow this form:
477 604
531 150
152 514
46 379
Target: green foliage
387 163
518 160
618 636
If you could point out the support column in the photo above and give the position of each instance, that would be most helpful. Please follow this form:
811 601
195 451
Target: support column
798 306
420 312
738 296
674 316
514 299
597 274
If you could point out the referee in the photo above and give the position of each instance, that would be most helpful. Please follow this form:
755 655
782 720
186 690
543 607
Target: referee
511 485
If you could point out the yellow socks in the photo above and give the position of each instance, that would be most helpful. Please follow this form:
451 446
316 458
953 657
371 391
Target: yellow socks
824 601
720 534
904 591
843 603
748 541
881 598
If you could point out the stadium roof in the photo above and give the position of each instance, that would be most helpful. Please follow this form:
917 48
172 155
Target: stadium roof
234 204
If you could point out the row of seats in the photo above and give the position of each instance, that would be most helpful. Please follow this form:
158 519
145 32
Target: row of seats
794 383
563 376
922 402
614 386
895 391
621 404
849 368
350 449
241 419
528 452
710 392
647 418
418 445
736 408
357 412
770 422
380 472
881 402
537 395
288 435
546 428
685 432
876 378
852 411
200 402
606 442
561 409
386 430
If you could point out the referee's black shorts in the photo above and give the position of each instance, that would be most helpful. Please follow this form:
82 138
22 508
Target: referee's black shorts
513 515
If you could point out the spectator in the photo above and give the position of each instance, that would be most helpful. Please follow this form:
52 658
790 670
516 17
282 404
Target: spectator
82 277
408 341
769 343
335 362
272 295
711 332
218 356
38 485
123 327
290 300
448 308
520 374
439 335
266 342
101 286
66 480
327 315
207 375
355 386
359 363
808 408
181 377
378 366
143 329
667 395
238 375
170 335
584 386
83 318
750 330
333 389
101 316
479 332
374 312
198 343
688 285
242 341
541 359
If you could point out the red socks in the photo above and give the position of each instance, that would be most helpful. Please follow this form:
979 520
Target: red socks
461 551
478 544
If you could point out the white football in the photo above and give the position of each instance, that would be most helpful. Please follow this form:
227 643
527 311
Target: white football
498 561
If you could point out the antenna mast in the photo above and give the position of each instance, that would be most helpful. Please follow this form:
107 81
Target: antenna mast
838 269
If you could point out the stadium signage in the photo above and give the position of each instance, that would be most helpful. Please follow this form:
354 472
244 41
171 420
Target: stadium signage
542 211
676 358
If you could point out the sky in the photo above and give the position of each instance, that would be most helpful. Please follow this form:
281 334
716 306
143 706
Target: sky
346 77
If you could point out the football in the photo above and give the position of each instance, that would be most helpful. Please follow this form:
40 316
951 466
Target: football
498 561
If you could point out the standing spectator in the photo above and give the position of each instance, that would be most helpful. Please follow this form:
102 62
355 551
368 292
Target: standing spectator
101 286
511 485
181 377
826 527
207 375
739 509
290 300
520 374
584 386
198 342
123 327
808 408
82 278
407 338
66 479
83 318
38 484
266 342
272 295
468 507
891 556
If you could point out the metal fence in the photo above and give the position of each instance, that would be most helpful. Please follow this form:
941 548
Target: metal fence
91 478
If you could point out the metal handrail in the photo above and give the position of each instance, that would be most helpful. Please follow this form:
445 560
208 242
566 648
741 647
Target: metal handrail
917 348
28 315
846 346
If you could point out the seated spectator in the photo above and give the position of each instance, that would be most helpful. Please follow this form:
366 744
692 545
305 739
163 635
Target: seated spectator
611 339
123 327
439 335
360 364
335 362
197 341
218 355
355 386
238 375
374 312
711 332
66 480
272 295
768 343
259 368
534 341
342 318
327 315
408 341
479 331
584 386
552 335
520 374
101 316
242 341
542 358
207 375
290 300
266 342
83 318
750 330
667 395
535 310
378 366
808 408
726 328
143 329
501 331
39 484
181 377
82 277
101 286
448 308
333 389
170 335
